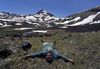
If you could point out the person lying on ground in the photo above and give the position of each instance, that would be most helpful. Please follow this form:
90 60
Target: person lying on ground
49 53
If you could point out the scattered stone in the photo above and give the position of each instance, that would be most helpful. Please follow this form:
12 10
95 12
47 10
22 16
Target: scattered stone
5 53
3 62
9 50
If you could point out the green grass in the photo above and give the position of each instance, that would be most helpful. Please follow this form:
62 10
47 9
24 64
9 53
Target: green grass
84 48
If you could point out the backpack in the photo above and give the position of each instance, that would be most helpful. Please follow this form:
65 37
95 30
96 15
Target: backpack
48 47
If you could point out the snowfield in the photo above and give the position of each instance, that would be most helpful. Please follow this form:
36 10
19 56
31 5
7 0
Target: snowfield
89 19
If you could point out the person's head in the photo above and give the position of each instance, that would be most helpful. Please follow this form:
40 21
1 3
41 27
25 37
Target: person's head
49 56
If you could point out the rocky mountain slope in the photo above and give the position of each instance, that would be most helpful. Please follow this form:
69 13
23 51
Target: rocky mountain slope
44 18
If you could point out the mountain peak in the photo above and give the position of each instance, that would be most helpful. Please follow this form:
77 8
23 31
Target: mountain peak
44 12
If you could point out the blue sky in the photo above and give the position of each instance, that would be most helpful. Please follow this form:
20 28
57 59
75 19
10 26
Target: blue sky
59 8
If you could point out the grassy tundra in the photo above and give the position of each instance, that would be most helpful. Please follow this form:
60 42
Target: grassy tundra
84 48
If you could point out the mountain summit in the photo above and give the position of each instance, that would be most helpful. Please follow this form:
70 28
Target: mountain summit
44 12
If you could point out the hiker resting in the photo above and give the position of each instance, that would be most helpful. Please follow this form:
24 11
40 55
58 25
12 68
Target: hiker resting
49 53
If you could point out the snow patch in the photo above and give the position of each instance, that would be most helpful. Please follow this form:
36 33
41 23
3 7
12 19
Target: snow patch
1 24
6 25
40 31
18 24
63 27
22 28
95 22
37 24
30 17
66 22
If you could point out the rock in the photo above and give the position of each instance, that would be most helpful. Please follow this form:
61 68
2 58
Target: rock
3 62
5 53
9 50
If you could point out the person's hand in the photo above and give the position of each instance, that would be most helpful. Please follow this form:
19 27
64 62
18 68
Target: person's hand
72 61
25 56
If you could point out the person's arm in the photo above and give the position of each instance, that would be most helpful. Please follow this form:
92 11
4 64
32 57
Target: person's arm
35 54
66 59
63 57
56 55
32 55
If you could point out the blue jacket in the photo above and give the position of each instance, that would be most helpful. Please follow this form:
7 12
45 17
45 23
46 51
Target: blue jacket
55 54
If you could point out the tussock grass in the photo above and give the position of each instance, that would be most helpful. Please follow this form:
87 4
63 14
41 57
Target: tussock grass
84 48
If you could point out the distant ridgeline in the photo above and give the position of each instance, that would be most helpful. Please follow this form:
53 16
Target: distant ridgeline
44 19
